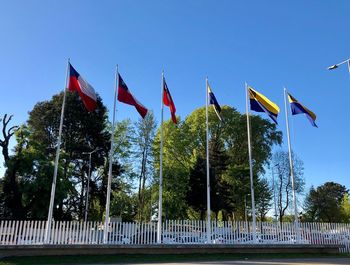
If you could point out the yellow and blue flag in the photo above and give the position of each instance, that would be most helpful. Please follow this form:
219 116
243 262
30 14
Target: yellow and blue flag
298 108
214 102
260 103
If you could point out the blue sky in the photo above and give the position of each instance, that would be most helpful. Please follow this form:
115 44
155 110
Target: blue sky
269 44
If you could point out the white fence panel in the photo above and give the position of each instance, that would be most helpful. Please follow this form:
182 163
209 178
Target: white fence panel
13 232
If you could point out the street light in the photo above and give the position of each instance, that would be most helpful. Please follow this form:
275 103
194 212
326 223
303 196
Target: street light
335 66
88 183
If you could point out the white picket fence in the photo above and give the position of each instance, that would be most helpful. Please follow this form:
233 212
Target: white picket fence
175 232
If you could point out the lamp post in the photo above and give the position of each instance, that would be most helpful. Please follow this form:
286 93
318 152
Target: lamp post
88 183
335 66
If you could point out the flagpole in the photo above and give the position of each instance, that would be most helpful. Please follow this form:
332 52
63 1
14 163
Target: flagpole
208 176
58 148
290 160
160 210
250 163
111 151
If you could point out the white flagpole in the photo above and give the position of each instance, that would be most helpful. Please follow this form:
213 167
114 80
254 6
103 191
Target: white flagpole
250 163
208 176
291 160
160 210
58 148
111 151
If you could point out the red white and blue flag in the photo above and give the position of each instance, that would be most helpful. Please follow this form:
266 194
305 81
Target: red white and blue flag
168 101
125 96
84 89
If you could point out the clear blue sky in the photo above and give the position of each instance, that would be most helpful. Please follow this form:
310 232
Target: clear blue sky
269 44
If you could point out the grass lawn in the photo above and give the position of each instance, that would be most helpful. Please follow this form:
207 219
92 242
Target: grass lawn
96 259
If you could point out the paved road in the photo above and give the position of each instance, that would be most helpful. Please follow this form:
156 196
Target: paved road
323 261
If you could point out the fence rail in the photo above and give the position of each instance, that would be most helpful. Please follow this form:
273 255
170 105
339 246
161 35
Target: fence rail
175 232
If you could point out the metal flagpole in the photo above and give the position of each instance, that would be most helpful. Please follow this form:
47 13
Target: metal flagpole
108 200
208 176
58 148
290 160
250 164
160 210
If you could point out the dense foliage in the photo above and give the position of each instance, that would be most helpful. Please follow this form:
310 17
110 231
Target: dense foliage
327 203
26 185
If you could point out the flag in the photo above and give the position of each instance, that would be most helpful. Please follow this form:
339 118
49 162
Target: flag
125 96
84 89
214 102
168 101
298 108
260 103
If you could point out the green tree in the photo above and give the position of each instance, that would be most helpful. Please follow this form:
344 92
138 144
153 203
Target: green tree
143 143
345 206
185 167
122 199
35 150
324 204
177 161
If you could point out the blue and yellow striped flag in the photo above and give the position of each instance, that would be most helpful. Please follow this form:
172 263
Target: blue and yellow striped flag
298 108
260 103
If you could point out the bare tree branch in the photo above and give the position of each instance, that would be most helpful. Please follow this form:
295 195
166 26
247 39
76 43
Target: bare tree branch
7 134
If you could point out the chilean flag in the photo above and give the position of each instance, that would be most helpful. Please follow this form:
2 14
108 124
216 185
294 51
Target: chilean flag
168 101
125 96
84 89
